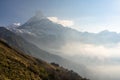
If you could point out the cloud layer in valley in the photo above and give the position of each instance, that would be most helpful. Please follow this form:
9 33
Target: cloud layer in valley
102 61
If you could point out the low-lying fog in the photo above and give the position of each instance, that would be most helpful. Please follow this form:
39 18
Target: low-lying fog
103 61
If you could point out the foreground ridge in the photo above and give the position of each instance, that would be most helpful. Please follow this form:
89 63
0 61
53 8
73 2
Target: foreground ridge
15 65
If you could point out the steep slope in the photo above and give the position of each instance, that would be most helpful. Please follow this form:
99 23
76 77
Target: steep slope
15 65
21 44
14 40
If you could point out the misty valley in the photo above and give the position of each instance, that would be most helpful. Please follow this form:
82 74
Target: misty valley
59 40
92 55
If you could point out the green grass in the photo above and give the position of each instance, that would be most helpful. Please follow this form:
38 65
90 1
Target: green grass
15 65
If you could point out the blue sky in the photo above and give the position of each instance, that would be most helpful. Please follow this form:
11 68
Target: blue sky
87 15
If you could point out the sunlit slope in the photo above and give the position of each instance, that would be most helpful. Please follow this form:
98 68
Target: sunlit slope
15 65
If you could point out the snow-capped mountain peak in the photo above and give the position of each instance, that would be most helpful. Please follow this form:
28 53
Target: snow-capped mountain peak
14 25
37 17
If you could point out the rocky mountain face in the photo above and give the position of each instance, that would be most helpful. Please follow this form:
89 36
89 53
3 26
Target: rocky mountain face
44 33
15 65
40 31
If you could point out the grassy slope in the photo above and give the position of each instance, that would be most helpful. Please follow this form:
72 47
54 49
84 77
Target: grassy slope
15 65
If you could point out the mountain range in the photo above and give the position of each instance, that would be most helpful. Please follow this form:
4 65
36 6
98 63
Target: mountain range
39 30
48 38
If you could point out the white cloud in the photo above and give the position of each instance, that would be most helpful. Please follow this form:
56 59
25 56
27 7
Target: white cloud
98 52
66 23
17 24
97 58
74 48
